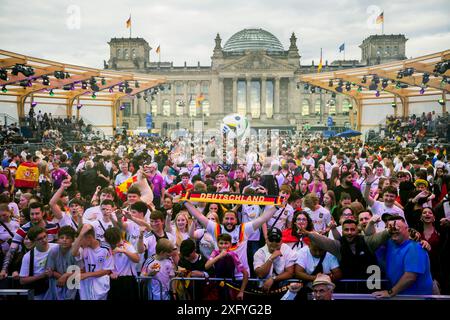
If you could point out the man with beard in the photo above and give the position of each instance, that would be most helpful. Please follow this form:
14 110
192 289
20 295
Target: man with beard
407 263
239 232
355 252
348 187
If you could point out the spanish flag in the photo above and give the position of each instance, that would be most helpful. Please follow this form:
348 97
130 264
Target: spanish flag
380 18
129 22
27 175
122 188
199 100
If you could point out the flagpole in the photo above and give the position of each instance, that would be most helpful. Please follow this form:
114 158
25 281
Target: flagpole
382 25
130 25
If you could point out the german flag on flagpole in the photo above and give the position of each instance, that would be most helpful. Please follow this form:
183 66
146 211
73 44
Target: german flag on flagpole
380 18
27 175
199 100
129 22
122 188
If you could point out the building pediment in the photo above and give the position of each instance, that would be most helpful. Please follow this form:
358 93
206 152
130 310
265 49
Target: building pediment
256 62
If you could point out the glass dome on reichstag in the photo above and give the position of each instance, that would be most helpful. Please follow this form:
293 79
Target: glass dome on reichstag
253 39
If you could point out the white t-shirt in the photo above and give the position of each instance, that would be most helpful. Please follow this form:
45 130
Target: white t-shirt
166 271
123 266
279 265
250 213
320 217
121 177
67 220
380 208
91 214
309 263
287 214
207 244
40 261
100 228
309 161
96 259
150 242
5 236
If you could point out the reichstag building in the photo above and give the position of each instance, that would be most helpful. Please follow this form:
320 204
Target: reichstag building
251 74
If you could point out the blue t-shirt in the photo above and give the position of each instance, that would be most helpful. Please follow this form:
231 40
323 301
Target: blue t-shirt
5 163
409 257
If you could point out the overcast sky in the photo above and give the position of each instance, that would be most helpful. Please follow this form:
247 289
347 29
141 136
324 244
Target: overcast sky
77 32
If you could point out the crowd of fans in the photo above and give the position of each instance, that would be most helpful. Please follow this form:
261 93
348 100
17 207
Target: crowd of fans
114 210
48 128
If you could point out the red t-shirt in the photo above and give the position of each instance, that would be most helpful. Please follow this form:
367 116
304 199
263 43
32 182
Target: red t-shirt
179 188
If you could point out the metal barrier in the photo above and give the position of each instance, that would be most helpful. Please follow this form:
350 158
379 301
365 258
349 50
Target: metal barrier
142 280
360 285
352 296
229 280
18 292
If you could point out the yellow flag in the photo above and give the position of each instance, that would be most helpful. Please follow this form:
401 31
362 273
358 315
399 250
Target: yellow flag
158 50
199 100
129 22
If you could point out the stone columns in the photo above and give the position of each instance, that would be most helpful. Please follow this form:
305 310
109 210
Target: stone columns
263 107
220 108
199 111
276 97
235 95
248 95
173 105
186 99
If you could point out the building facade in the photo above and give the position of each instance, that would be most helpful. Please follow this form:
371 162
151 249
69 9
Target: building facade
251 74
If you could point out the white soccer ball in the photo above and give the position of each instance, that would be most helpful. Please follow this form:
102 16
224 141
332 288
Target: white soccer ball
236 126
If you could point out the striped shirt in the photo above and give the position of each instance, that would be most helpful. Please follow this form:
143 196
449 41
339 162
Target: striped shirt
51 228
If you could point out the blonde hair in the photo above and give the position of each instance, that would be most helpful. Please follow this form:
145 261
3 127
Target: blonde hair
310 201
215 215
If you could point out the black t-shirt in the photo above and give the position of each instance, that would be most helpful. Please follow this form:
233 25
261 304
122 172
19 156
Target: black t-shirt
354 193
198 265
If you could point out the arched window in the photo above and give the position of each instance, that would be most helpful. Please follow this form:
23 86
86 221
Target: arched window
192 108
346 105
166 108
317 107
133 53
180 107
305 107
154 108
118 53
125 54
205 106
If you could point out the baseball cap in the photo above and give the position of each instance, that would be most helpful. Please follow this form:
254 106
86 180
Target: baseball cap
274 235
421 181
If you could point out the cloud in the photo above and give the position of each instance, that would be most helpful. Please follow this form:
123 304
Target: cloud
185 30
